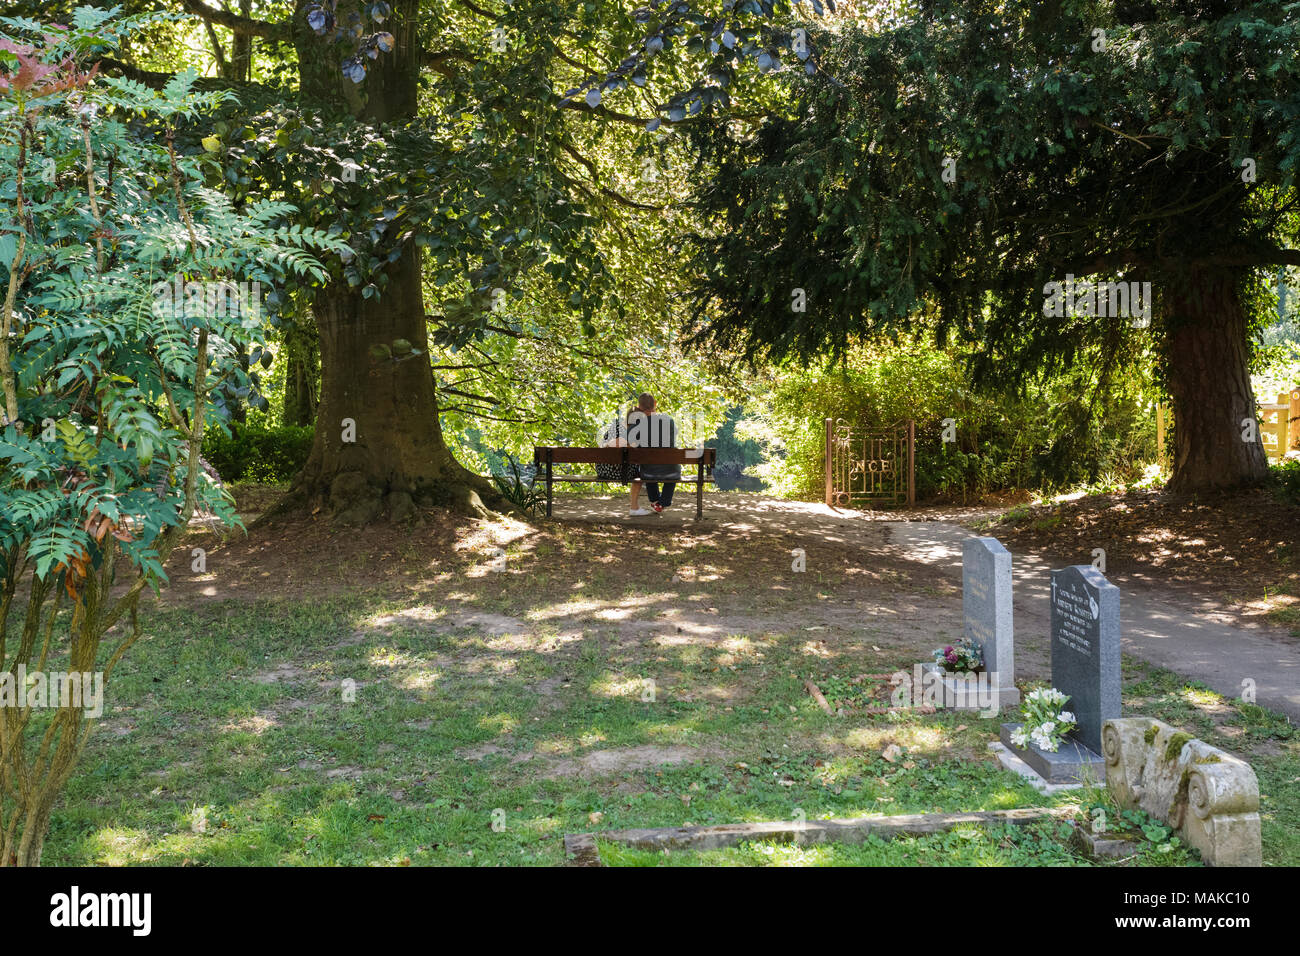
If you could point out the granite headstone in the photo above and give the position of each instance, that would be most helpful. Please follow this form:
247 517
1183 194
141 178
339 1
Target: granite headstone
1085 648
986 612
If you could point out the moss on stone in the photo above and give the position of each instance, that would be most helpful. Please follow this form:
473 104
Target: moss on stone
1151 735
1176 744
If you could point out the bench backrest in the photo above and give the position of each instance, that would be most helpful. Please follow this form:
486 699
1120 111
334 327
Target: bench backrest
615 456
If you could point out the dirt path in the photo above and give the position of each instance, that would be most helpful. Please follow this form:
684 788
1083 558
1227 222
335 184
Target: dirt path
1194 638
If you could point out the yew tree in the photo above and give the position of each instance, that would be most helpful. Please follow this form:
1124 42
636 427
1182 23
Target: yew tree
939 171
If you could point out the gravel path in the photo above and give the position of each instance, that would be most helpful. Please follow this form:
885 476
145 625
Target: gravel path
1195 639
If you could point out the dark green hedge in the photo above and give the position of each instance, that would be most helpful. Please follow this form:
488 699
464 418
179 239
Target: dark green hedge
258 454
1285 478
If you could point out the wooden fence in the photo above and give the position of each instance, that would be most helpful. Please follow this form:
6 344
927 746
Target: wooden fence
1279 426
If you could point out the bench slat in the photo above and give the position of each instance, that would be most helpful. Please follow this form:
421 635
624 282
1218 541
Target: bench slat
559 479
614 456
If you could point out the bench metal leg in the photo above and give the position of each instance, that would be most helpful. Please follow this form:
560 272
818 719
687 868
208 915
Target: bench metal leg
548 485
699 491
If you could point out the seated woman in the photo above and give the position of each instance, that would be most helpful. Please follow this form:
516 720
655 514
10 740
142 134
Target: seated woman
618 434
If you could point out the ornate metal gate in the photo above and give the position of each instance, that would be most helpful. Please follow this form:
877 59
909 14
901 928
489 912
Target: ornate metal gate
870 466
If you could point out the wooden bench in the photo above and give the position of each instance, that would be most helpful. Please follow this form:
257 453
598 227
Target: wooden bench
546 458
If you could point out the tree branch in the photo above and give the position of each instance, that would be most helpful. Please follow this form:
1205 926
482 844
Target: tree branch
606 113
244 26
437 60
479 10
222 69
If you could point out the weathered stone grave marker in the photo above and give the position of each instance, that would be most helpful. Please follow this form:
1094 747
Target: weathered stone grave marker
1209 796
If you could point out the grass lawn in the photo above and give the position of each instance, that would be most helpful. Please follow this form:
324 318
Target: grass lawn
495 712
1037 845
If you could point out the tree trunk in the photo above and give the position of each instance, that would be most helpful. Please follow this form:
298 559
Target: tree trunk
241 48
378 449
1216 433
302 368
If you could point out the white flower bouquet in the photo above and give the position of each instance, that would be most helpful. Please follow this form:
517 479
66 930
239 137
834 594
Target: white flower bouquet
1044 722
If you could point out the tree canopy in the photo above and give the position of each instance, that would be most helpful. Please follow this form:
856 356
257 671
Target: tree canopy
940 173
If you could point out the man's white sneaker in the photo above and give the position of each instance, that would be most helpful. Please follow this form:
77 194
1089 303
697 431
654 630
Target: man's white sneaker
639 513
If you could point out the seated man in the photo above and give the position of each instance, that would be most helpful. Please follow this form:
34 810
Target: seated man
654 430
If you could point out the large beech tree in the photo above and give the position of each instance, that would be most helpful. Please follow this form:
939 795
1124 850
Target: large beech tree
1154 143
461 182
437 139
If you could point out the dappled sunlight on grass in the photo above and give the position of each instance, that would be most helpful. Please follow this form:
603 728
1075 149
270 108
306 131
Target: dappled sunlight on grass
117 846
614 613
557 746
522 691
692 633
790 855
573 606
1003 800
256 725
677 732
388 659
502 531
503 665
1202 697
921 738
839 770
816 649
421 614
612 685
420 679
737 647
499 723
544 826
717 692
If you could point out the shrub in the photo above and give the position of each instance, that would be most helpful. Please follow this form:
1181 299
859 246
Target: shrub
1047 438
1285 479
110 388
252 453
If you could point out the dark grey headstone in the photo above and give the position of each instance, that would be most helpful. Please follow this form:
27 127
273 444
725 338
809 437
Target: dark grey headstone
1085 648
986 612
